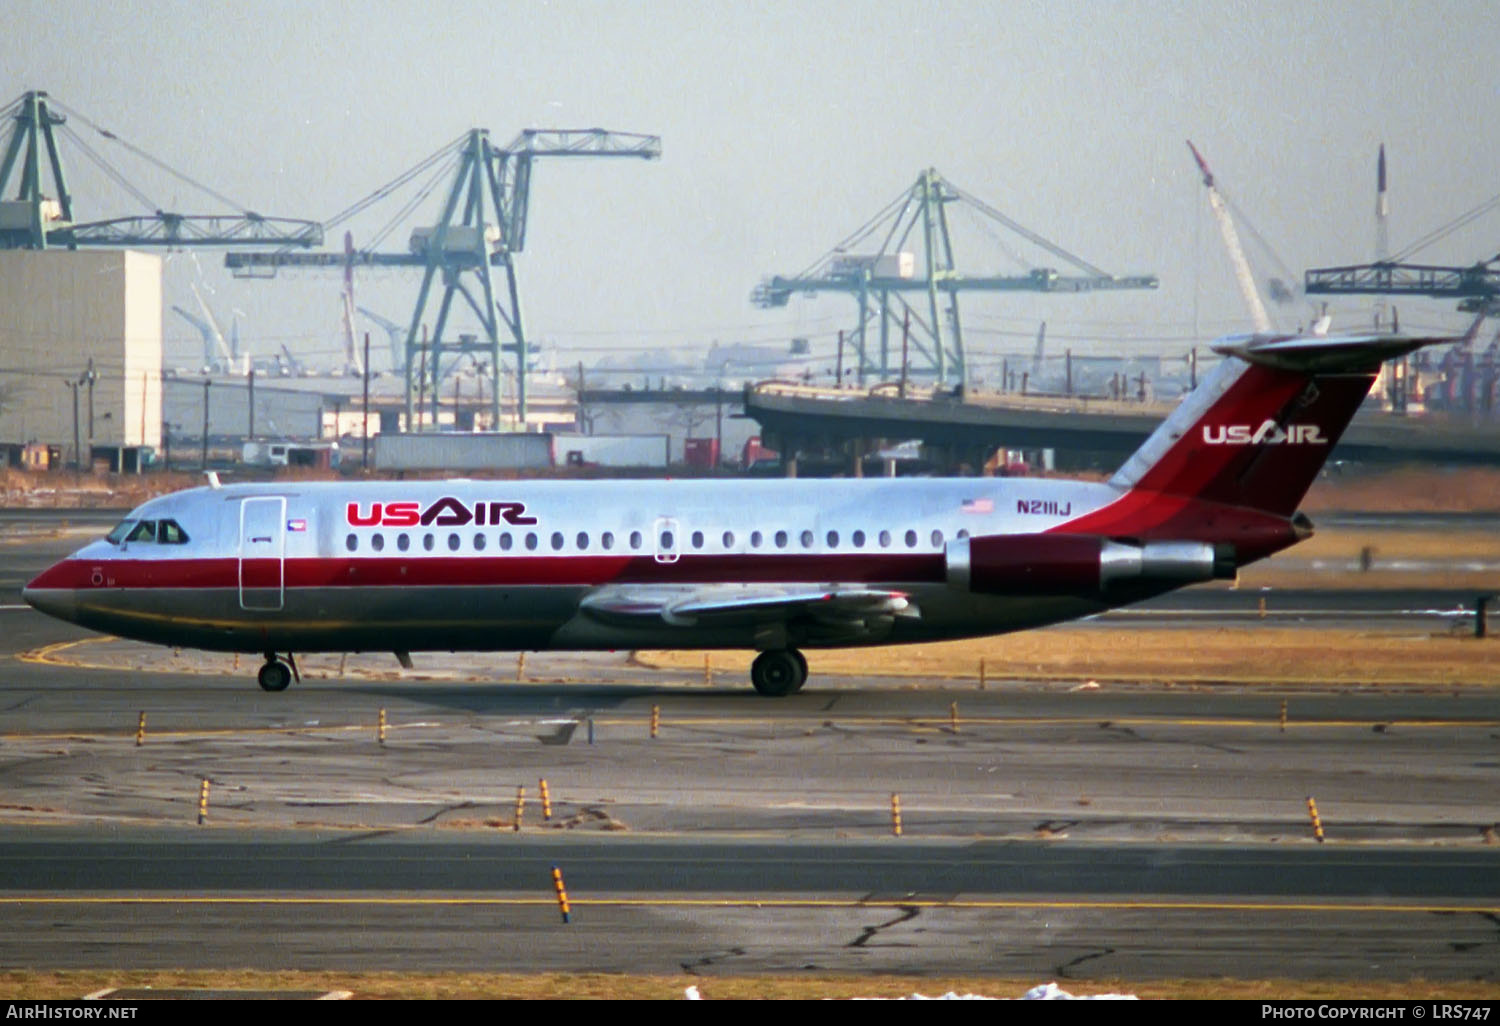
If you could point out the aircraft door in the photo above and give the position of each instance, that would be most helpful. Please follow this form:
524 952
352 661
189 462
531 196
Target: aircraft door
262 552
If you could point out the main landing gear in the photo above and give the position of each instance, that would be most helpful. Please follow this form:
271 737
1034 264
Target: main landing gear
277 675
780 671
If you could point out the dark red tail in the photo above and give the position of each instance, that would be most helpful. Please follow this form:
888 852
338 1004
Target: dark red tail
1256 433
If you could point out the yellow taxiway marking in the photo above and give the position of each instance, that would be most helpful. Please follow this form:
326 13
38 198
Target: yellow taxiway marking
52 655
981 904
794 724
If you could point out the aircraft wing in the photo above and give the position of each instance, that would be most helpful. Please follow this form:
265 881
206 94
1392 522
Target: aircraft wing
844 609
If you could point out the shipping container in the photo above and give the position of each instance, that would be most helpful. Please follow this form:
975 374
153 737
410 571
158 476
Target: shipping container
489 450
702 453
614 450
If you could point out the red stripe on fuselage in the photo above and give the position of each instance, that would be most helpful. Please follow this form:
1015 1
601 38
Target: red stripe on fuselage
505 571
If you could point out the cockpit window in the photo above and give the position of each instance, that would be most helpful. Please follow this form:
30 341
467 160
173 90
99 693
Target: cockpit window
164 532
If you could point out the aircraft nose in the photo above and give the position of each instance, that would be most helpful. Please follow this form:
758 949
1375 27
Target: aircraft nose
59 602
53 592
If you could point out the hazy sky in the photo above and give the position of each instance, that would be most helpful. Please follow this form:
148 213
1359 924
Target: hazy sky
785 126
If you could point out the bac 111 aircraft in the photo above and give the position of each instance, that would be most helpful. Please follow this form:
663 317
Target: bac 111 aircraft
773 566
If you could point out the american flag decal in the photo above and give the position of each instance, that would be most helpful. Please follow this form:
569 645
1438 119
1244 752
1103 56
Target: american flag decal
978 506
296 525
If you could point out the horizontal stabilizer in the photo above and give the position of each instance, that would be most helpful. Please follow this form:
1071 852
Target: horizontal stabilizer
1315 354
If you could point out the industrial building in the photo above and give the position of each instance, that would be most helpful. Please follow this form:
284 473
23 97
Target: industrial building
81 338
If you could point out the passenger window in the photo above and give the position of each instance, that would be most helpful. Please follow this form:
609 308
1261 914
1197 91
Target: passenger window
403 542
833 539
729 539
963 532
911 539
697 539
807 539
755 539
859 539
937 539
351 543
427 542
635 539
531 541
454 542
479 541
583 540
606 541
377 542
505 541
557 541
781 539
666 541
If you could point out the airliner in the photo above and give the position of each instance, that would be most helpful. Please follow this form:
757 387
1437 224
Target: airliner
774 566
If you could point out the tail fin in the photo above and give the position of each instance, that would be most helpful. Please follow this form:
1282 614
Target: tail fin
1258 430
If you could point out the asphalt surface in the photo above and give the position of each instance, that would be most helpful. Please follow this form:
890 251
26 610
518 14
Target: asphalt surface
1127 832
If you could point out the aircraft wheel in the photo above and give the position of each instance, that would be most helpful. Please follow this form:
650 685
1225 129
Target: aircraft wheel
778 672
274 676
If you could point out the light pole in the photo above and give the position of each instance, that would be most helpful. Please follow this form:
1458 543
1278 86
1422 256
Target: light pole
88 378
74 386
206 383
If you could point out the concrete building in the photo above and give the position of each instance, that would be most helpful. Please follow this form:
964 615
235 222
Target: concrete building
59 309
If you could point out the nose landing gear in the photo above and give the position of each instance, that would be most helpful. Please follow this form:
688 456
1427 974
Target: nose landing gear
277 675
779 672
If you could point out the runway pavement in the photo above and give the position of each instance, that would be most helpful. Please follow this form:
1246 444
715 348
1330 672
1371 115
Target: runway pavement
1129 832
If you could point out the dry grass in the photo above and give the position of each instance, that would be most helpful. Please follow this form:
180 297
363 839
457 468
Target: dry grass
1408 490
1272 656
27 985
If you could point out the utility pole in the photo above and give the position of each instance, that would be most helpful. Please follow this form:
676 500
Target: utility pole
251 399
422 385
905 336
206 383
365 432
718 425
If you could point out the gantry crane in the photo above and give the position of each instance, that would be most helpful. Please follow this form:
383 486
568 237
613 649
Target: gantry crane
35 220
482 226
1476 286
881 279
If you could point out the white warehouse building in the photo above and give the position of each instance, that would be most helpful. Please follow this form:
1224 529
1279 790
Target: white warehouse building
59 309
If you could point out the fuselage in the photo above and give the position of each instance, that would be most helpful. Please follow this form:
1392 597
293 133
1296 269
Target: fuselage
497 565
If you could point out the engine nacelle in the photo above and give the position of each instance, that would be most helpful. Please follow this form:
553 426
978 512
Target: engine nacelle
1078 564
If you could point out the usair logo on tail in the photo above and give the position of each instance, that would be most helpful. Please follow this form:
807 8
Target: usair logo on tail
1269 433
